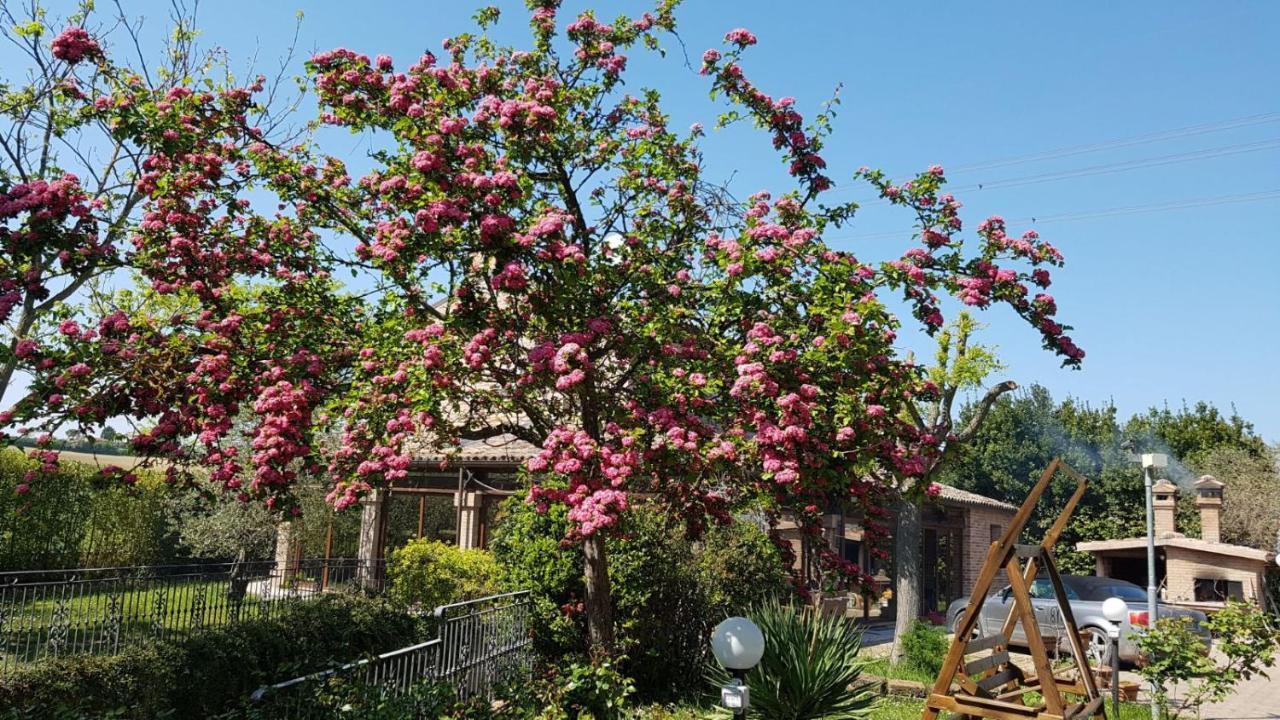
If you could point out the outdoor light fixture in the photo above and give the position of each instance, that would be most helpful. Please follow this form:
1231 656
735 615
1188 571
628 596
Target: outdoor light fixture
738 645
1114 610
1155 460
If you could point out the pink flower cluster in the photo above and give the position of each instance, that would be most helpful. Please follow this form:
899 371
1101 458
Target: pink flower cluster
74 44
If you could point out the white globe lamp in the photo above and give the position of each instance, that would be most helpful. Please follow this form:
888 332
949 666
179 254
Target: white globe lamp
1115 609
737 643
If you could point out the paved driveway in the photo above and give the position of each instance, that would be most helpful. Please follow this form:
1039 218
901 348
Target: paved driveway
1257 699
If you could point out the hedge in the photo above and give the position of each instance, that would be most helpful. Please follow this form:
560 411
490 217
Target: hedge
213 672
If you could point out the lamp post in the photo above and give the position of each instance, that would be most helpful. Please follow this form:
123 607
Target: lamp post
1149 462
1114 611
738 645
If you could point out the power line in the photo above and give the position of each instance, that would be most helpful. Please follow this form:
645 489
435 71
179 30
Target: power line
1130 141
1109 212
1110 168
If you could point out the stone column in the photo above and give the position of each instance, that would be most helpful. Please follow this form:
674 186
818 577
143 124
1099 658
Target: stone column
469 518
1209 500
370 554
286 556
1165 507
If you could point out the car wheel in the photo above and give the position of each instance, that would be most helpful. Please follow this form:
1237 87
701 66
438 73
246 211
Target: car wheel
1097 647
955 623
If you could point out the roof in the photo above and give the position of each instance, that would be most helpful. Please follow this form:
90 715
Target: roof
964 497
1185 543
1209 481
502 449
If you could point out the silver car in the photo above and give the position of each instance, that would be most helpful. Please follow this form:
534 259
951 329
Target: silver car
1086 595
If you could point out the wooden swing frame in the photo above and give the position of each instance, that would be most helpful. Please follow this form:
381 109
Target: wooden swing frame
992 686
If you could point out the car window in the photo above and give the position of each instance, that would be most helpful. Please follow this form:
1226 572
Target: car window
1124 591
1042 589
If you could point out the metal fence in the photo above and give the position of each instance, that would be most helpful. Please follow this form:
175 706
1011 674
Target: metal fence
47 614
481 644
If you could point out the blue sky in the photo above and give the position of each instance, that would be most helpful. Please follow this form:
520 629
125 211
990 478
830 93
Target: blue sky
1171 305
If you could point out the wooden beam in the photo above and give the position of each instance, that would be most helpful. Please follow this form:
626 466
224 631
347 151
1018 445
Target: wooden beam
1035 642
1069 622
997 555
1051 537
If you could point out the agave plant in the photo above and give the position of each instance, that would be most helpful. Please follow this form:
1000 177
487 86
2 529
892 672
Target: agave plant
810 667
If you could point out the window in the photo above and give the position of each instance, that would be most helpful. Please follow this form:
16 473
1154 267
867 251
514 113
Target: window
851 551
996 532
1214 590
1042 589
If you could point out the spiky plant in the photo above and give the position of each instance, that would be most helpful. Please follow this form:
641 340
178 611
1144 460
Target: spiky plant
810 667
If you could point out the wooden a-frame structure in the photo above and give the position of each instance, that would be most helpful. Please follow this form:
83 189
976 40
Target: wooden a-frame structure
991 686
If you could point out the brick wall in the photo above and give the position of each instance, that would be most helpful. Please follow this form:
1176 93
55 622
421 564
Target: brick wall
1183 567
977 539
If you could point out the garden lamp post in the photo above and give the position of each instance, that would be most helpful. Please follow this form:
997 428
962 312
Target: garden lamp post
1151 461
1114 611
738 645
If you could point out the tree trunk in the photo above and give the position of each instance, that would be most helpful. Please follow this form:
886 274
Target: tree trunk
906 574
599 603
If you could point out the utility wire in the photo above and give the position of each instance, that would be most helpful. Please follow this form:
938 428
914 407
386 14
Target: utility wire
1109 212
1110 168
1130 141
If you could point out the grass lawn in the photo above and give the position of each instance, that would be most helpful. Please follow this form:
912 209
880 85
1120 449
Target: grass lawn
880 667
88 623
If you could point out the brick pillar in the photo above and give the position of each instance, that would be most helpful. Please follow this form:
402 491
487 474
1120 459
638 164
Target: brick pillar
1209 500
469 518
1165 506
370 554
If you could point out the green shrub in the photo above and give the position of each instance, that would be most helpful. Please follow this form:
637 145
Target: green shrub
923 647
579 690
661 612
74 518
809 669
739 567
1246 643
527 547
207 673
430 573
668 592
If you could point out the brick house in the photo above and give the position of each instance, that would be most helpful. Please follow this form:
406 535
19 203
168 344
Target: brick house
1201 572
453 496
957 528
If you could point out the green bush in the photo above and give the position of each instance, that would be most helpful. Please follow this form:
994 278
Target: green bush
668 592
739 567
74 518
429 573
809 669
580 690
205 674
923 647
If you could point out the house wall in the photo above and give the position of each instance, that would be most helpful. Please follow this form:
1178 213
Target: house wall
977 540
1183 567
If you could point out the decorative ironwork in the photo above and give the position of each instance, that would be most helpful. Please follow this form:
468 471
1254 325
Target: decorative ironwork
102 610
481 644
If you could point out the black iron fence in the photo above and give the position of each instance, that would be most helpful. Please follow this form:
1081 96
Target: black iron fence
482 644
52 613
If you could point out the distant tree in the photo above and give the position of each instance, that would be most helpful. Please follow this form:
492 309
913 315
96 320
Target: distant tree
1251 501
216 525
1026 430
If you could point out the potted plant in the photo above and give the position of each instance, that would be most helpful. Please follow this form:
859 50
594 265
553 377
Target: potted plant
833 601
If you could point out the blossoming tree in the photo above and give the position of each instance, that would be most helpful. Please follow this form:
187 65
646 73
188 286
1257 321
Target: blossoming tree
534 252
